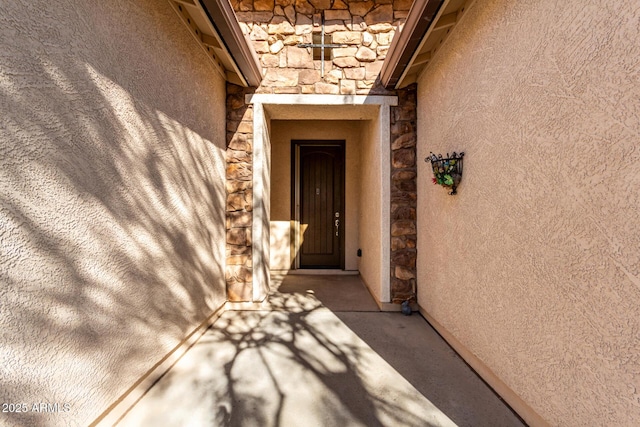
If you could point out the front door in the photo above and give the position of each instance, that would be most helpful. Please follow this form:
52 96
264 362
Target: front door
321 204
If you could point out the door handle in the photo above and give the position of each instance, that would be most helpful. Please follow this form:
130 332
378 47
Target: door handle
337 226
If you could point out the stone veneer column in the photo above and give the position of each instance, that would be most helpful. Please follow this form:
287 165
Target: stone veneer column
239 194
403 196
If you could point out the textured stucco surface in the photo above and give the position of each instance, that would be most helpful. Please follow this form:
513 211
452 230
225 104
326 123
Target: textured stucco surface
534 266
282 133
111 199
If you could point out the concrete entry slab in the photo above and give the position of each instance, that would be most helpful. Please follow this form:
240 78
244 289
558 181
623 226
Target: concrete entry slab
301 364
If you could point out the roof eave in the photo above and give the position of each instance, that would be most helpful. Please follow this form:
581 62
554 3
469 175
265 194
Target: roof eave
224 20
403 47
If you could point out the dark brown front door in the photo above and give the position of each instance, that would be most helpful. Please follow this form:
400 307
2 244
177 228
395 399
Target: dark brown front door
321 205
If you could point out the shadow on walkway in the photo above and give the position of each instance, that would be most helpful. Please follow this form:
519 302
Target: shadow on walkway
304 364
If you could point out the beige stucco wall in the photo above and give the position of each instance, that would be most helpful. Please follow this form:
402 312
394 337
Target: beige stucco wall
534 266
111 199
371 236
282 133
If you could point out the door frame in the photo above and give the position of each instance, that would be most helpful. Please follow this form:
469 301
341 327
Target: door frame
295 192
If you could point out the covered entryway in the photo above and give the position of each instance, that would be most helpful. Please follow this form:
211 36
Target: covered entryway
280 226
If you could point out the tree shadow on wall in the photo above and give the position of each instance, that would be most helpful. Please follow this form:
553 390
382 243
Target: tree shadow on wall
113 212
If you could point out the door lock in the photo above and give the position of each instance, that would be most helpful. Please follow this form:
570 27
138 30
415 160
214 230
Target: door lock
337 226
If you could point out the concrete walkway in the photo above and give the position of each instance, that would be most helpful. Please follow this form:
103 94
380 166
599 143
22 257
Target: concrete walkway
322 355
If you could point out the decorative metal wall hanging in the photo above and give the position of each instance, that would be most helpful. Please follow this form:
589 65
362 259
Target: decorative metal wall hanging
446 171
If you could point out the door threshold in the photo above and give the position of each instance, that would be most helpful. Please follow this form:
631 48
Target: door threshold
323 272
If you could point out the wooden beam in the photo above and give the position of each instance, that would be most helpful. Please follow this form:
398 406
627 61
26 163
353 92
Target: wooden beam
423 58
445 21
209 40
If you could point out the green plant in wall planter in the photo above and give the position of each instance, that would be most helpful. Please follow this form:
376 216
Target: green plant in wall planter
446 171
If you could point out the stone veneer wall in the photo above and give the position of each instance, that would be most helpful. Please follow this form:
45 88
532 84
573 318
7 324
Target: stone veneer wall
275 28
403 196
239 194
364 27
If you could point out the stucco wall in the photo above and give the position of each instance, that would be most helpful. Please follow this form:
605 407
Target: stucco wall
111 199
534 265
371 237
283 132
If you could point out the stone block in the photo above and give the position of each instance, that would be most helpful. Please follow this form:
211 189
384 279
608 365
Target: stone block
278 10
307 89
404 258
280 25
365 54
347 87
240 219
258 33
404 273
347 62
237 156
298 58
304 7
326 88
276 47
373 70
361 8
404 141
347 37
402 4
255 17
237 236
270 61
263 5
333 76
244 28
280 77
308 77
239 260
261 46
239 171
403 158
384 39
292 40
380 14
331 27
367 38
364 84
355 73
290 13
240 142
339 4
404 212
339 14
234 186
383 27
245 5
403 227
245 127
284 3
397 243
341 52
235 202
357 24
321 4
304 29
238 250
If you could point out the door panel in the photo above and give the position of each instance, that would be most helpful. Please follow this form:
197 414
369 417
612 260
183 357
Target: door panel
321 190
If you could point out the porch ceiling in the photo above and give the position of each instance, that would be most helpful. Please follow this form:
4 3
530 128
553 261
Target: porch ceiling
322 112
215 27
428 25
